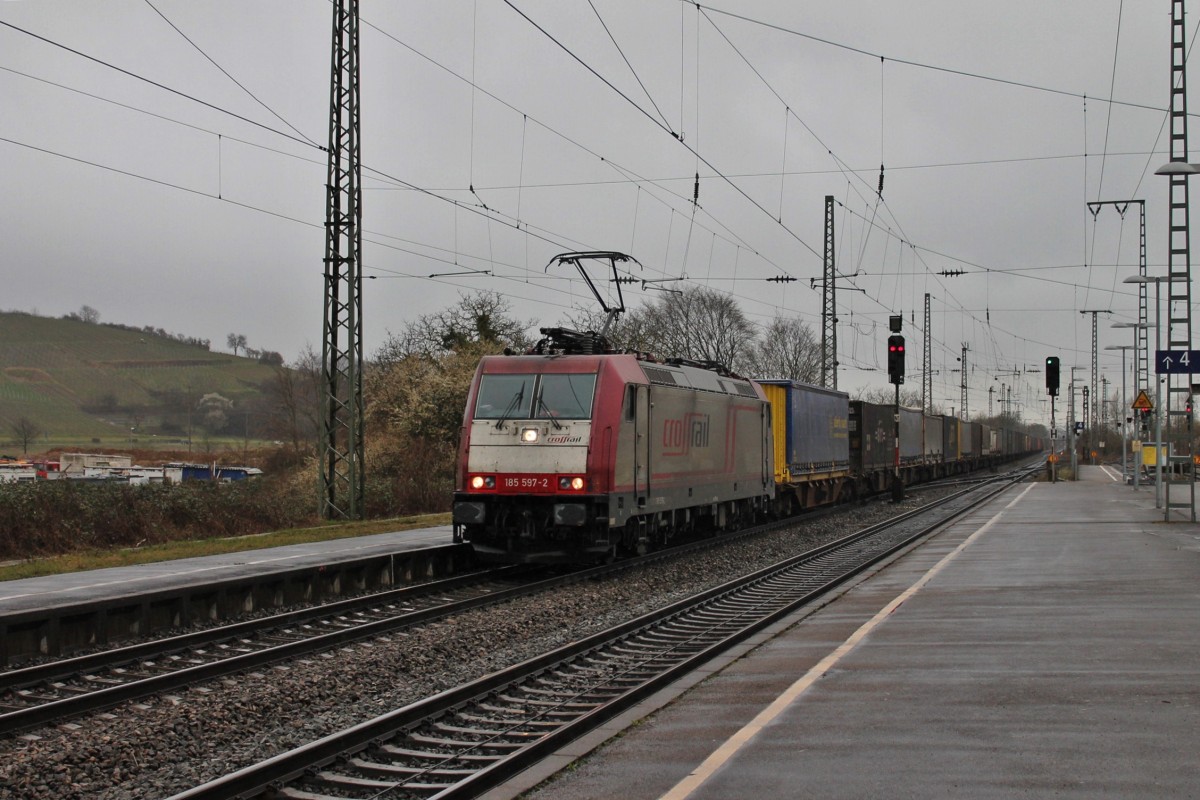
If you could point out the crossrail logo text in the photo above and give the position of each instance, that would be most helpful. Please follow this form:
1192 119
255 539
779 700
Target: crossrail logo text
562 438
680 436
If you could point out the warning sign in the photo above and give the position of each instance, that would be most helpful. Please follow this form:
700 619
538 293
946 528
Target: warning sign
1142 403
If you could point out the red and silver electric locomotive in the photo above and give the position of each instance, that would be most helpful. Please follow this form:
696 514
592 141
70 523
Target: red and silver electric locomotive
573 452
572 456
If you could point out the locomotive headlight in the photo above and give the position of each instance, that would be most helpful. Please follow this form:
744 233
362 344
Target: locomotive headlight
577 483
477 482
483 482
529 435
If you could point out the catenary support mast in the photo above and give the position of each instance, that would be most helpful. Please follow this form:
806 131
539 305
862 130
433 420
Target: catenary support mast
1179 482
927 363
829 363
341 469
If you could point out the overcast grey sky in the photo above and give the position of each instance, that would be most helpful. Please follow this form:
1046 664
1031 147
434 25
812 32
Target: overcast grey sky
159 210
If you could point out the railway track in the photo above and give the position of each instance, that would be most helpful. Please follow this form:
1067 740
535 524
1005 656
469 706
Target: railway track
463 741
57 690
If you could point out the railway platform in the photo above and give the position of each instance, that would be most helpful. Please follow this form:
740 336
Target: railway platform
1047 644
57 614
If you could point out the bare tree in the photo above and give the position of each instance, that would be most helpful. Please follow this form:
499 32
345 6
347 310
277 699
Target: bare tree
786 348
26 431
295 401
89 314
886 396
696 323
236 341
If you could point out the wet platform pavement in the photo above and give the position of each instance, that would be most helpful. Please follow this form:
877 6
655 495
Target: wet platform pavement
1046 645
29 595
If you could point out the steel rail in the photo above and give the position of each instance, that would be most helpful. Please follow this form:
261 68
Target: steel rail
22 684
26 699
474 769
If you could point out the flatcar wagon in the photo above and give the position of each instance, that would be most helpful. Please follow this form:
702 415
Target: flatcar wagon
810 443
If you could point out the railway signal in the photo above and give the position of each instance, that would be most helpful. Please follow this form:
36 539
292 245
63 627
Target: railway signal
896 359
1052 375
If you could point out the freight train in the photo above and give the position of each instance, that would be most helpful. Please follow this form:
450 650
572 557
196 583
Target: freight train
571 453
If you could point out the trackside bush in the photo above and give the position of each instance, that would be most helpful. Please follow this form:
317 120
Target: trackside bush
48 518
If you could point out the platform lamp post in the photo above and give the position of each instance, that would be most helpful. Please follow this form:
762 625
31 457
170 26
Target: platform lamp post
1137 326
1157 280
1124 407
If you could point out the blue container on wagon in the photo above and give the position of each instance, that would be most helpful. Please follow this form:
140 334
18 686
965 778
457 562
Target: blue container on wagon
810 429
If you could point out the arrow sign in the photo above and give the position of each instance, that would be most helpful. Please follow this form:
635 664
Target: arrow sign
1176 362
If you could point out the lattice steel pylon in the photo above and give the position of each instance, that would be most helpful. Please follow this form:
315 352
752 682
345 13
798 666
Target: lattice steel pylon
829 362
962 402
1141 353
1179 270
1089 419
341 470
927 364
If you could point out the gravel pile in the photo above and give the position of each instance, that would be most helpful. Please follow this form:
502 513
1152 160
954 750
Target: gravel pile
166 744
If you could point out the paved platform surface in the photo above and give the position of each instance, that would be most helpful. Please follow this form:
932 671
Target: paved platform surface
1047 645
53 591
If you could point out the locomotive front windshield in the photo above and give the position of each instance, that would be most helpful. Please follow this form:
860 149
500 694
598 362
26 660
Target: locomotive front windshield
565 397
535 397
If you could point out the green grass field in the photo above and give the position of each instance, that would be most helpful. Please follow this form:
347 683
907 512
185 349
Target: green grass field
89 384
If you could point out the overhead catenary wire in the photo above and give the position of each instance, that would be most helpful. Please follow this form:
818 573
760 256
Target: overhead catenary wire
625 58
162 86
238 116
225 72
703 159
918 64
737 246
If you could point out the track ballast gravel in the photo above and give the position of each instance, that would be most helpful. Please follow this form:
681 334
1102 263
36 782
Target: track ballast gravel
166 744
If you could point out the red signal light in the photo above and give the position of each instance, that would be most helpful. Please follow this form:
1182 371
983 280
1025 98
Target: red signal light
896 359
